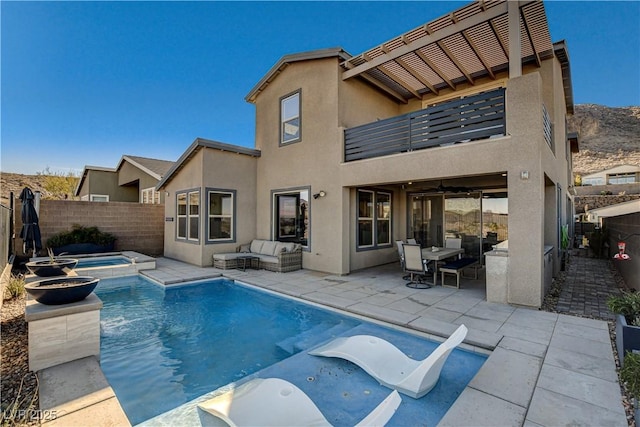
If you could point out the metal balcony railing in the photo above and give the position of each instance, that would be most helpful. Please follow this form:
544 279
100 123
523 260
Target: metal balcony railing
468 119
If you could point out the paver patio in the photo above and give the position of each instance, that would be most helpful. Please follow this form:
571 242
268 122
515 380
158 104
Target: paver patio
545 368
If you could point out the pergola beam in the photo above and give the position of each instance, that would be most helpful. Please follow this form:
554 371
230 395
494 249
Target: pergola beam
492 13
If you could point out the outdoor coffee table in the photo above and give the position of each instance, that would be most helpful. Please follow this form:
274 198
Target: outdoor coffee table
242 262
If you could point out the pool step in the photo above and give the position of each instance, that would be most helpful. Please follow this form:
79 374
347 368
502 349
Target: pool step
315 335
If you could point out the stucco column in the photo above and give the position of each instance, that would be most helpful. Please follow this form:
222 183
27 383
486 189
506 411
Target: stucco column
515 46
526 190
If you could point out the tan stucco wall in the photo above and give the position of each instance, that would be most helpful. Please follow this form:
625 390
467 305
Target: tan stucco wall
313 162
136 178
212 169
105 182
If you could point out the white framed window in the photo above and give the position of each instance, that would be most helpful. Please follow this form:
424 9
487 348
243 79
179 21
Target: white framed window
221 213
188 214
98 197
290 118
365 218
150 196
593 181
622 178
374 219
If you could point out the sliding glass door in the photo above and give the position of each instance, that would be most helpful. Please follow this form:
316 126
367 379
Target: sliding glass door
425 219
463 220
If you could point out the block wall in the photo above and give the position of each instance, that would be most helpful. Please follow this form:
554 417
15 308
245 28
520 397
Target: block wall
138 227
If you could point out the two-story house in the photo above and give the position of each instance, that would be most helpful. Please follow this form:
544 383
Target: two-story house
455 128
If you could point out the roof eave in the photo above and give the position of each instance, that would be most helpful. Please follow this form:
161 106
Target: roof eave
561 52
198 144
291 58
85 171
139 166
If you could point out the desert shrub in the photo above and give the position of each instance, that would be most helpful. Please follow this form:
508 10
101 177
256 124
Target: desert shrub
628 305
81 234
15 287
630 374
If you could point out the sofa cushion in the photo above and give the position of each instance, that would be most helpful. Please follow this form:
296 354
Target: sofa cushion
227 256
256 246
269 248
284 247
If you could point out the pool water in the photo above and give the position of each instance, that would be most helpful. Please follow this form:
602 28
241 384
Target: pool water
164 348
102 262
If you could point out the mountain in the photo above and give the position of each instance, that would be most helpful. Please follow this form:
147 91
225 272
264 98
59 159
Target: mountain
16 182
608 137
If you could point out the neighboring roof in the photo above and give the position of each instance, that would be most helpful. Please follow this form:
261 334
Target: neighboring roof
615 169
469 43
85 172
154 167
338 52
574 142
625 208
195 147
560 50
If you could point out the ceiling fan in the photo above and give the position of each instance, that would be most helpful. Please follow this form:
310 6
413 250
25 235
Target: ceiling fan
449 189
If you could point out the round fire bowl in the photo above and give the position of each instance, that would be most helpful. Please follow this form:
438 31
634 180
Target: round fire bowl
61 290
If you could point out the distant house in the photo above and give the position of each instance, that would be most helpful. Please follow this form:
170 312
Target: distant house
619 209
454 128
134 179
624 174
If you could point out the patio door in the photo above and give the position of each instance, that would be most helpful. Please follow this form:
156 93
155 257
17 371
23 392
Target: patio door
425 219
463 220
291 216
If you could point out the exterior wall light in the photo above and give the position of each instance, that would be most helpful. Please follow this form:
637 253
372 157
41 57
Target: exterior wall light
524 175
319 194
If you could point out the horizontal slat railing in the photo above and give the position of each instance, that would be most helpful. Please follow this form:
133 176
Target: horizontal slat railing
475 117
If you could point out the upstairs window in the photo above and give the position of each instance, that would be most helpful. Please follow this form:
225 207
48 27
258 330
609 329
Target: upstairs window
290 118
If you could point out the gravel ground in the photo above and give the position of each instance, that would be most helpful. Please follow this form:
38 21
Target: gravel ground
19 386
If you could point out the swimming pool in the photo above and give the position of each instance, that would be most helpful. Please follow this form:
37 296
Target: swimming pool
164 347
103 261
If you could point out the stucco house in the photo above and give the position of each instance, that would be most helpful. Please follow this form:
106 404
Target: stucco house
456 128
134 179
622 174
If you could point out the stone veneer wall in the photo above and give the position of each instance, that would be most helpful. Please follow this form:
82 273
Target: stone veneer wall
594 202
138 227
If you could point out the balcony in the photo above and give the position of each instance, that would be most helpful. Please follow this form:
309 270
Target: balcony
472 118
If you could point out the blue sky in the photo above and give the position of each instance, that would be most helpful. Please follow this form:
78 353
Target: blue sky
85 82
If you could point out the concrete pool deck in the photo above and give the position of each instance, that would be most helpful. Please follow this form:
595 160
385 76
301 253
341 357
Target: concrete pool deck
545 369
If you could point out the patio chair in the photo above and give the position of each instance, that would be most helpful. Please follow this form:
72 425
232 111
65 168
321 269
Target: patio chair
276 402
399 244
453 243
389 365
416 266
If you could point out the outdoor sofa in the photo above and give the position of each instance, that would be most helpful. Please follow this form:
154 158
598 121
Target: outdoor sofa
280 257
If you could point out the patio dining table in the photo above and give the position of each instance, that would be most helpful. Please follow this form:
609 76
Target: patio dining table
439 255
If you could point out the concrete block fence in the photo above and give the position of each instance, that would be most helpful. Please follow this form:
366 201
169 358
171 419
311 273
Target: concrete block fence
138 227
